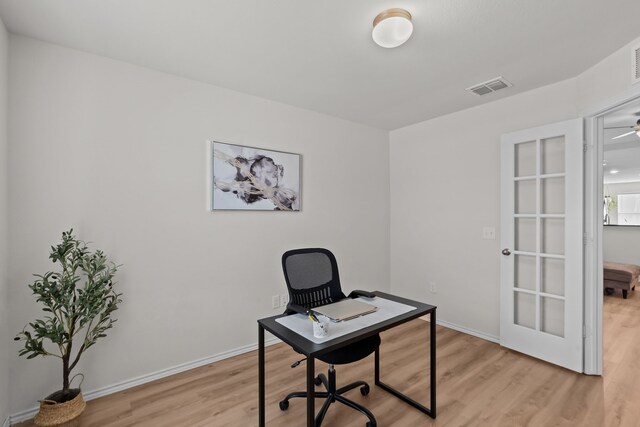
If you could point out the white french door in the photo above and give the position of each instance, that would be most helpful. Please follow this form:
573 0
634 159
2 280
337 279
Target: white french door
541 295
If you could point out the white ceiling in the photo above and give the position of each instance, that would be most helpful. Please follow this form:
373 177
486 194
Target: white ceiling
319 54
622 154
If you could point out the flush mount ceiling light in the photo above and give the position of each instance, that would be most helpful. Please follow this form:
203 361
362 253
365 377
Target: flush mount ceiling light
392 27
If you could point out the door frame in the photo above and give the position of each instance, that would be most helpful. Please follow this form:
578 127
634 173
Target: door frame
593 256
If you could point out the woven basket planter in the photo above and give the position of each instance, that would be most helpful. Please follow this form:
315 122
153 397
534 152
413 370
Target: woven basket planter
60 414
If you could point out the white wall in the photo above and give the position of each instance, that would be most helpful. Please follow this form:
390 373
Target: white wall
445 184
117 152
445 187
607 81
621 244
5 333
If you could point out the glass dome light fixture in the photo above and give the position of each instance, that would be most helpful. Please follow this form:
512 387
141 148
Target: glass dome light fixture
392 27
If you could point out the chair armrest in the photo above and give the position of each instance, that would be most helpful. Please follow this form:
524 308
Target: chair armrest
295 308
359 293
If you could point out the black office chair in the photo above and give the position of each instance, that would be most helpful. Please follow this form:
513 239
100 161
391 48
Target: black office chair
312 280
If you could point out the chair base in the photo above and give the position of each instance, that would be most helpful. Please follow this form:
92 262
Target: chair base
334 395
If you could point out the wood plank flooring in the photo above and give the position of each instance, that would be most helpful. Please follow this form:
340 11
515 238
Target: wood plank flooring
479 384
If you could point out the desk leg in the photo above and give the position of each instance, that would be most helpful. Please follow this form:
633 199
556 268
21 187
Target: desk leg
377 366
432 367
261 416
311 392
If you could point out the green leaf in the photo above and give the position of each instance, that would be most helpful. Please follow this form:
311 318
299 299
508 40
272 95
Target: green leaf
79 296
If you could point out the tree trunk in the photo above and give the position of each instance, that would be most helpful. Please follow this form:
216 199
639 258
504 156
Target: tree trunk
66 357
65 372
65 364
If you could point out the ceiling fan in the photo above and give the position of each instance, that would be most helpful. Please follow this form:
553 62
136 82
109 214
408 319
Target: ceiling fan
636 130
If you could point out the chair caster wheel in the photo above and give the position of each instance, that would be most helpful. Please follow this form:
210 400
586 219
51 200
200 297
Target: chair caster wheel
364 390
284 405
317 380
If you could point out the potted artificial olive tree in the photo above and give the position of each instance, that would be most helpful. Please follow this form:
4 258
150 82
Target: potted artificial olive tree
79 301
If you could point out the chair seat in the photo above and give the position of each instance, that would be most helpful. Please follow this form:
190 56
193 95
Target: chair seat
353 352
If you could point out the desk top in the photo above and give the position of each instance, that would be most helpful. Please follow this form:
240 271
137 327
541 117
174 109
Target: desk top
309 348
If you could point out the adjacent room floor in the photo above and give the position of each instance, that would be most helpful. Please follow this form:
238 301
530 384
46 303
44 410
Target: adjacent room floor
479 384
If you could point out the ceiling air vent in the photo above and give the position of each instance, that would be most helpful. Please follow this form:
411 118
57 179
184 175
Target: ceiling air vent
635 62
490 86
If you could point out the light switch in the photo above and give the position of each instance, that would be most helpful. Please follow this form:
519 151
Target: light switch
489 233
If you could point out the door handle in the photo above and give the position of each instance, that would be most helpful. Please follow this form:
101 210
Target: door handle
506 252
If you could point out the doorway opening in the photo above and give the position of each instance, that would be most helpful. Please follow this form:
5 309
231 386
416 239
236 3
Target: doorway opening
612 237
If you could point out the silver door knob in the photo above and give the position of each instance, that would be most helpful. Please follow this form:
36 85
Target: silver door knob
506 252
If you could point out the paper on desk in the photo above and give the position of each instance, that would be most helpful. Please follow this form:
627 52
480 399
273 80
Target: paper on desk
300 324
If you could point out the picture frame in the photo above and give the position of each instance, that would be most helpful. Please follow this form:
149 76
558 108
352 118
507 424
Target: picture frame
254 179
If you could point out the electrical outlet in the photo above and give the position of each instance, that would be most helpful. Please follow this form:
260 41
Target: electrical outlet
275 301
284 299
432 287
489 233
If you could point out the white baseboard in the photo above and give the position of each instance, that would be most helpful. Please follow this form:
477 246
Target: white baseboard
465 330
143 379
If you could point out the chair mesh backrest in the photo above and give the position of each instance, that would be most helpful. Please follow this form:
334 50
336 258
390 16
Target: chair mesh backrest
312 277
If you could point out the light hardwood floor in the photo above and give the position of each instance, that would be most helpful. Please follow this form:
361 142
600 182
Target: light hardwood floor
479 384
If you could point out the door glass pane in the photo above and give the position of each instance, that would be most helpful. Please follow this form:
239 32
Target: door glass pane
524 267
525 196
552 195
524 306
525 159
552 276
552 155
552 316
525 234
552 235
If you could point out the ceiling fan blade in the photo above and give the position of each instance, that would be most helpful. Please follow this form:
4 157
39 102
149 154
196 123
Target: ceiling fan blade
624 134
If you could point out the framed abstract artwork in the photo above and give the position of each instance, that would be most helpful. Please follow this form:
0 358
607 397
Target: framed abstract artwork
248 178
